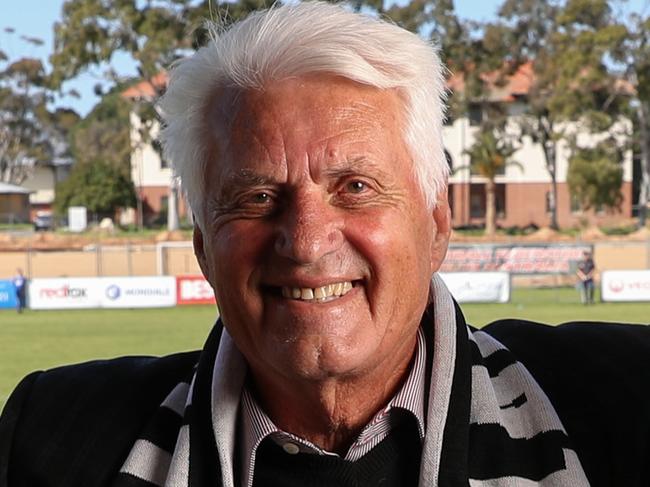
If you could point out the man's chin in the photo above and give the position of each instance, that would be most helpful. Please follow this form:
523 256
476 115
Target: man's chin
327 358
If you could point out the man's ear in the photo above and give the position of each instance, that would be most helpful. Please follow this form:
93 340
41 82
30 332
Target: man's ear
199 251
442 231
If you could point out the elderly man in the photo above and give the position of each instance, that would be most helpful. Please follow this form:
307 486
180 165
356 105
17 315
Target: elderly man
308 140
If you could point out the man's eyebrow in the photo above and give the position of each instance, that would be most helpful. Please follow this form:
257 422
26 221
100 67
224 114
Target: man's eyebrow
247 177
360 166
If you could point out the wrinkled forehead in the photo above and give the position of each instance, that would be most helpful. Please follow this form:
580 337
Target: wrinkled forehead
300 111
337 97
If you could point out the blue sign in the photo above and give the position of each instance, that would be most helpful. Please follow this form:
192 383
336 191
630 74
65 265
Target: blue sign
7 294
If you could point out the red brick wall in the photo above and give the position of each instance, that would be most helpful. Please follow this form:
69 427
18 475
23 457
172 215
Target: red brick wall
525 204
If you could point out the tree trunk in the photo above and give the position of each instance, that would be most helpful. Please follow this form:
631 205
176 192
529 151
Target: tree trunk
172 207
644 132
490 208
548 146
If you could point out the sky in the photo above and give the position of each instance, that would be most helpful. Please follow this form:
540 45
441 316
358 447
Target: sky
36 18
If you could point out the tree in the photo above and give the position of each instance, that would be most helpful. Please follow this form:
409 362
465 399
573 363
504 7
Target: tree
104 134
571 87
633 57
153 34
99 186
29 132
489 156
595 176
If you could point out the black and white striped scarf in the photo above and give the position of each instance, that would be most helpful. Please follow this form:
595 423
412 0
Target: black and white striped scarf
488 424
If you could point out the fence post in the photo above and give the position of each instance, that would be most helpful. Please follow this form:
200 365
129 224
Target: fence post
129 263
98 260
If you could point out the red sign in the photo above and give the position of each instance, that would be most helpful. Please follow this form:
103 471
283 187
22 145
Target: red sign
515 259
193 290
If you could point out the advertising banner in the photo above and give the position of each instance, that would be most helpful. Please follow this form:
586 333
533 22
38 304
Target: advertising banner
478 287
64 293
102 292
138 292
515 259
7 294
625 286
193 290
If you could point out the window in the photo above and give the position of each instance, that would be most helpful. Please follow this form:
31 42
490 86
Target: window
475 114
500 197
549 200
576 207
157 147
450 161
477 201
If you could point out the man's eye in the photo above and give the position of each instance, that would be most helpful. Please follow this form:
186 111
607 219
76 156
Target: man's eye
356 186
261 198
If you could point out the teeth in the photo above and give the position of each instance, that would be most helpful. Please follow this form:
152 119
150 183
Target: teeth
319 293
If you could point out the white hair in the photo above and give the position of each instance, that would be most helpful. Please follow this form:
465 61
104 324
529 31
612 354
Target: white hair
301 39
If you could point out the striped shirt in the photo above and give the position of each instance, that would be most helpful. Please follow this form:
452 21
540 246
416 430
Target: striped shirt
256 425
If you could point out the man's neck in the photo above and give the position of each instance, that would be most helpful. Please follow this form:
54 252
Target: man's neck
330 413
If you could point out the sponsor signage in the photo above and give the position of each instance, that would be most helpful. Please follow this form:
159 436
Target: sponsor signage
64 293
625 285
7 294
193 290
478 287
138 292
515 259
102 292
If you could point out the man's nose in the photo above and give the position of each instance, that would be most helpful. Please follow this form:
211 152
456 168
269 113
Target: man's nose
309 229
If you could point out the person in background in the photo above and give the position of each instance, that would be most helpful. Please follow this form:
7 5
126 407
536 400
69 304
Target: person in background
585 272
20 285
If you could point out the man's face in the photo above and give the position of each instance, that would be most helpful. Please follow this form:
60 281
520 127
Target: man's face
316 238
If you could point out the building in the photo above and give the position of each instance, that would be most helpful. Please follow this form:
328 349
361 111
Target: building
522 194
151 174
42 182
14 204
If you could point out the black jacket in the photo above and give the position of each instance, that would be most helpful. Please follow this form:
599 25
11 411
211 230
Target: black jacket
75 425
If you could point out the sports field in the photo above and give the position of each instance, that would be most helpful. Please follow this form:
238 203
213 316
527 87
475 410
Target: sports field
43 339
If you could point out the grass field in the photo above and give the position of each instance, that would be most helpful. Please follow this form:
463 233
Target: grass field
44 339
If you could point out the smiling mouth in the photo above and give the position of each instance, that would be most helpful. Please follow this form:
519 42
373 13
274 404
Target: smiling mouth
323 293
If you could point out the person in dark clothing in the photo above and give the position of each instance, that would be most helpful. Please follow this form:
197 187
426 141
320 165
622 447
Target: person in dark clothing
585 273
308 140
20 286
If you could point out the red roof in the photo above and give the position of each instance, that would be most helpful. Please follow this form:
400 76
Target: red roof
506 88
501 88
148 88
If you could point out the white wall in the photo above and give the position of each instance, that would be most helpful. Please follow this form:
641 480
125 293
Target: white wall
145 161
42 183
459 137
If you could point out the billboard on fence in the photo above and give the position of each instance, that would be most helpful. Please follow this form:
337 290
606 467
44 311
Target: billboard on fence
7 294
478 287
193 290
102 292
138 292
625 285
515 259
64 293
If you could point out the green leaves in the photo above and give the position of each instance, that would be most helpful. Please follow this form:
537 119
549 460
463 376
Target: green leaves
98 186
595 177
